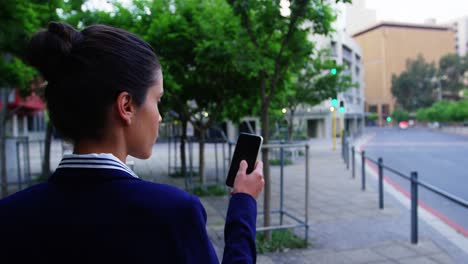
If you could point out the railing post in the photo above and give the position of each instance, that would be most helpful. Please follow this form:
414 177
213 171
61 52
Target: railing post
363 176
347 154
18 163
191 164
28 164
224 158
307 194
353 162
281 181
342 148
414 207
169 155
381 198
216 159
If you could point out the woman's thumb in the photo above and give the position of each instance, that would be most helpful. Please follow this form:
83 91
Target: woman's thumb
243 167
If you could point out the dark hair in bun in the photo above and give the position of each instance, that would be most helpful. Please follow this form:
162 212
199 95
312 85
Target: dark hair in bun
86 71
49 48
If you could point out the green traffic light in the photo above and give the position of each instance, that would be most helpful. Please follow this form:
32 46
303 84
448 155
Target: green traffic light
334 102
333 71
389 119
342 110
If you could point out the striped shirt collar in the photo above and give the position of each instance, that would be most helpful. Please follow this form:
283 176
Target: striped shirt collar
94 161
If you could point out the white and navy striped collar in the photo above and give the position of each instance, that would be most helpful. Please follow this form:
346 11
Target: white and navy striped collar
94 161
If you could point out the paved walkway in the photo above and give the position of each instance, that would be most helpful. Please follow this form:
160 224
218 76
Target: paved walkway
346 225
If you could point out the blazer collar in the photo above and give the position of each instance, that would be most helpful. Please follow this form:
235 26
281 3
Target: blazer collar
94 161
91 167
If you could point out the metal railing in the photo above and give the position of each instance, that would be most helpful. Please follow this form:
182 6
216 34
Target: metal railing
222 165
282 211
412 178
221 160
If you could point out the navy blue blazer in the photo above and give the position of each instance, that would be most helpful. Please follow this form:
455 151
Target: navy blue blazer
106 215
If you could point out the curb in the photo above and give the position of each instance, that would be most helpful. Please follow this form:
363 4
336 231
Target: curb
439 222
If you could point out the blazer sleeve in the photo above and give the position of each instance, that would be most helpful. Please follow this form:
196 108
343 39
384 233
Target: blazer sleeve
239 231
196 246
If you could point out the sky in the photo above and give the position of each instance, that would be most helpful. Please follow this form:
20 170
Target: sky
417 11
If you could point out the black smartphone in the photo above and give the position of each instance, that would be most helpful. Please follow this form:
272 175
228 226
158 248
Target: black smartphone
247 148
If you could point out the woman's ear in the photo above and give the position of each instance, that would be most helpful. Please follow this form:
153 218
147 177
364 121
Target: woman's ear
125 107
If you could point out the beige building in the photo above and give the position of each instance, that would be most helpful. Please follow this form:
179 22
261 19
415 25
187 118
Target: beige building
385 49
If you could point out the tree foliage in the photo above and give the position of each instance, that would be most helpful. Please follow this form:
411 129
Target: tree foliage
315 83
417 87
277 45
452 69
414 88
444 111
400 115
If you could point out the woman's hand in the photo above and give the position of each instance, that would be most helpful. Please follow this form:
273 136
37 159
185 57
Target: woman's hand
252 183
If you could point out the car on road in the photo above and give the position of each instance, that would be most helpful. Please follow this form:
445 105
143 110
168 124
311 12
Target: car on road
403 124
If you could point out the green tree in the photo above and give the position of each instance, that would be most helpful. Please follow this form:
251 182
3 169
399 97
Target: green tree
444 111
400 115
19 19
196 42
452 68
316 83
414 88
277 45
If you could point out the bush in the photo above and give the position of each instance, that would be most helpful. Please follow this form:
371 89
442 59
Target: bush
372 117
421 115
444 111
178 174
281 240
299 136
210 191
277 162
400 115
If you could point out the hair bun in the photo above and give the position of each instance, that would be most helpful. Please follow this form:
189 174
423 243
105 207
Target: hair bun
49 49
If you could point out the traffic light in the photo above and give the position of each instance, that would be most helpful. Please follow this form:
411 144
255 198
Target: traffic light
334 102
389 119
333 71
342 109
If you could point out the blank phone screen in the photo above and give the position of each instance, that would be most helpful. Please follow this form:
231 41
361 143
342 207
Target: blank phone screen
247 148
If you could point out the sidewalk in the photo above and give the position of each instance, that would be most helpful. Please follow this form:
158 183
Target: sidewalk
346 225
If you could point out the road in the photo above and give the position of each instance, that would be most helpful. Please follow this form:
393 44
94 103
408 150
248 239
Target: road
440 160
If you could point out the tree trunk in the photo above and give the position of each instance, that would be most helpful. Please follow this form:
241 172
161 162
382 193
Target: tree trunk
47 144
201 167
266 169
183 139
3 119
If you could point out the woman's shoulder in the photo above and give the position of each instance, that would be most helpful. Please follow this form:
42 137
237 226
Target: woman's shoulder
163 195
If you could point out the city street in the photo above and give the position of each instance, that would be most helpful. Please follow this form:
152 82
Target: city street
438 158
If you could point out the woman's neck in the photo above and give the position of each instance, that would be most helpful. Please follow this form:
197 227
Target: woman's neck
101 146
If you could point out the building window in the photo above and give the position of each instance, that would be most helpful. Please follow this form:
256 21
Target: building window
373 109
347 53
358 58
348 66
333 49
385 109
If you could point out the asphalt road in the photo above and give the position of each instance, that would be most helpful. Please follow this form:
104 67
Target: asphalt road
440 159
